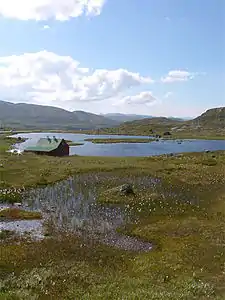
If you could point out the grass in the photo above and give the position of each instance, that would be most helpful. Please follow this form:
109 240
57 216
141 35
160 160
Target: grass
71 143
6 234
41 170
6 142
113 141
153 127
19 214
184 217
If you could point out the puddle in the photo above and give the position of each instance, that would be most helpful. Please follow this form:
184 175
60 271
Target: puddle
71 206
31 227
21 227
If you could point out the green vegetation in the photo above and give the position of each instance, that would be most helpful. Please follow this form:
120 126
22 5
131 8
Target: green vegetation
139 129
114 141
22 116
6 142
71 143
210 125
6 234
19 214
10 195
184 217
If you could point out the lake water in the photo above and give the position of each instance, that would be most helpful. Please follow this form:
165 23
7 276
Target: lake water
125 149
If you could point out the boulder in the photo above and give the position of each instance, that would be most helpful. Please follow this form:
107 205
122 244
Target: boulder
167 133
123 190
126 189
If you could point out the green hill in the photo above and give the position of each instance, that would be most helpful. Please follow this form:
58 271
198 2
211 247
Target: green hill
30 116
209 125
212 118
144 126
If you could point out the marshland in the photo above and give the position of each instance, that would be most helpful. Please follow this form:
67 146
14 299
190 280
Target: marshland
80 237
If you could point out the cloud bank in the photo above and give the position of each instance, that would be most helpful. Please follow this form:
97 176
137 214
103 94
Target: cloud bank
47 78
61 10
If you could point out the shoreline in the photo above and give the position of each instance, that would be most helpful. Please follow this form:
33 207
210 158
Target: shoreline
174 136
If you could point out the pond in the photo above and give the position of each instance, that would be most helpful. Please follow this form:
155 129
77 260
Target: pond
125 149
70 206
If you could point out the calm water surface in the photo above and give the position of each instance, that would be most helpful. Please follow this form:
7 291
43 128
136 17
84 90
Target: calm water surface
70 206
125 149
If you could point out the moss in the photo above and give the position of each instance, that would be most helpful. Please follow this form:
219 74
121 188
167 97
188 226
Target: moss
19 214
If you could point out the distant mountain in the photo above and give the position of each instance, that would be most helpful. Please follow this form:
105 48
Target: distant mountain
31 116
125 117
146 126
132 117
212 118
180 119
91 118
212 122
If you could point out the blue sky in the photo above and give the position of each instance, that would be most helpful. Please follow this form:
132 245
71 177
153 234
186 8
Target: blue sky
178 44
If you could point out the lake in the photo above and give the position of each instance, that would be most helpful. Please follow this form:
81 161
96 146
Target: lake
124 149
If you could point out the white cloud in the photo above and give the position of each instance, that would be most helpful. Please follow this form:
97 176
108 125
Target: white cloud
61 10
168 95
177 75
144 98
45 27
47 78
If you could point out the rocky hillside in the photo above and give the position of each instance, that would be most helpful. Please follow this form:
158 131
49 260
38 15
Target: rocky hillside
210 124
212 118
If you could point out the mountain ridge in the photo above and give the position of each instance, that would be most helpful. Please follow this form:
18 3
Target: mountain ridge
33 116
211 122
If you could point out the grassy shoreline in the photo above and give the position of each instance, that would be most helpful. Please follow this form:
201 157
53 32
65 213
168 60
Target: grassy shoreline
116 140
13 213
204 134
71 143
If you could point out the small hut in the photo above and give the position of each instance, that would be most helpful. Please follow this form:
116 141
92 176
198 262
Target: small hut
48 146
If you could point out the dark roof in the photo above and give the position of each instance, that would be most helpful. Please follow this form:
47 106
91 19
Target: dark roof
45 145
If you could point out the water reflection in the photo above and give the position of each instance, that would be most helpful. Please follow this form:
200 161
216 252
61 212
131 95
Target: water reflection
72 205
124 149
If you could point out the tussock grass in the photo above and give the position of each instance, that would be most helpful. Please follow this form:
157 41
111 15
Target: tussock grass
182 214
